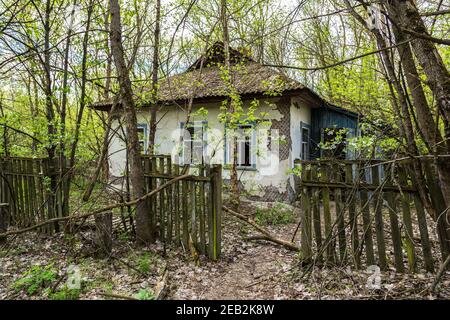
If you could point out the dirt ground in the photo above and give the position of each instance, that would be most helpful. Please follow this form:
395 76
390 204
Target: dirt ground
246 270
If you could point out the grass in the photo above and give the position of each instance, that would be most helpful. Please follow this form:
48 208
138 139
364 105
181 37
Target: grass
144 294
145 262
65 294
36 279
277 214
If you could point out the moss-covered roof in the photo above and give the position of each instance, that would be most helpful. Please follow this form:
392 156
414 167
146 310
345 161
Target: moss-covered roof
205 79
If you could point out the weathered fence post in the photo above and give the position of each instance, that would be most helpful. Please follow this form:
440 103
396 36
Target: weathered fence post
306 232
103 234
215 227
379 226
351 195
367 220
393 219
315 203
424 236
340 214
408 230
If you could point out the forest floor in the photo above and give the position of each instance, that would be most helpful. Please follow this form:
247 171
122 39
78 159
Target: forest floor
33 266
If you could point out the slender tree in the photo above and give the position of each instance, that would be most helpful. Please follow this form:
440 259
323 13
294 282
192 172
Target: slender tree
144 232
155 69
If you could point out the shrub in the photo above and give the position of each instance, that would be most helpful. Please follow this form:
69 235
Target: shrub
144 294
277 214
35 279
145 263
65 294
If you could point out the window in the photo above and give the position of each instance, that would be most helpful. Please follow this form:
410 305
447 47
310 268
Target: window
245 142
143 138
244 146
305 144
193 142
305 138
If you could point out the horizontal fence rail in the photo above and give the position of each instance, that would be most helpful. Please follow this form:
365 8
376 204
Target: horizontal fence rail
364 212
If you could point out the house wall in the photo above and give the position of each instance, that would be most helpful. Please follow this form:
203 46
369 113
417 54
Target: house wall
300 113
266 180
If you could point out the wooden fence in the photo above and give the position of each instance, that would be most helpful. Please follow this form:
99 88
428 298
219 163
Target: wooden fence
189 212
356 211
33 190
186 213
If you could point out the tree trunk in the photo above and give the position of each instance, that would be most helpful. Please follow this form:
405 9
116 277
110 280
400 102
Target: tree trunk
425 119
155 67
83 87
406 127
226 44
64 84
50 115
144 232
438 77
5 131
404 14
106 90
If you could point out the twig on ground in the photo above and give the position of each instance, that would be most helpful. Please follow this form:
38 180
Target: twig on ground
162 288
440 273
119 296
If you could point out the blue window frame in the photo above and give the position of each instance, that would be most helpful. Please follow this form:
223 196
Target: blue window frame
142 130
305 138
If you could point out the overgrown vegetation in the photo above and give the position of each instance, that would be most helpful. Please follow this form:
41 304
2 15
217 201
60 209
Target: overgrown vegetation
65 293
387 61
276 214
36 279
144 294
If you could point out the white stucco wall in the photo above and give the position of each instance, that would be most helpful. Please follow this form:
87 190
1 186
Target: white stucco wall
266 172
300 112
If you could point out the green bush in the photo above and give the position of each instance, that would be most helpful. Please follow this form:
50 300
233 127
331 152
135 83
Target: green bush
144 294
145 263
65 294
275 215
35 279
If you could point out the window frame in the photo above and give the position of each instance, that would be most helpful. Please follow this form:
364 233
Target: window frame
307 127
143 126
195 124
252 147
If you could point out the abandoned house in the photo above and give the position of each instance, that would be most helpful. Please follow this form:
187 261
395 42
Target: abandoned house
294 114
